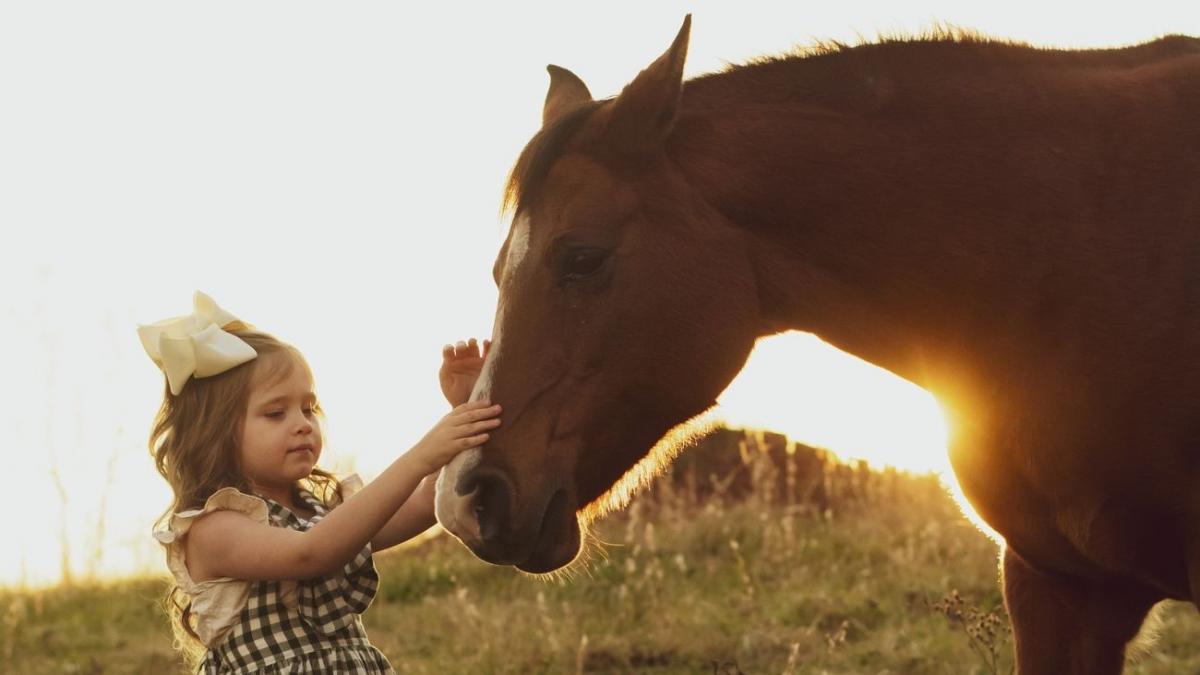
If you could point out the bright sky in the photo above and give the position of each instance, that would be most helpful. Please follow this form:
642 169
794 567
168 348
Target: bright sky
331 172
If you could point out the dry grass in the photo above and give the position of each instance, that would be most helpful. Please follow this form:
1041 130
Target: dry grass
751 556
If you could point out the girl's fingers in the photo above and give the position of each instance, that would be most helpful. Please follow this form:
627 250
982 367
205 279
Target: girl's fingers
482 425
473 441
469 416
465 349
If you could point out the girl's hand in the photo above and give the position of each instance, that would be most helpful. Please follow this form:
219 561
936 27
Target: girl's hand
463 428
461 364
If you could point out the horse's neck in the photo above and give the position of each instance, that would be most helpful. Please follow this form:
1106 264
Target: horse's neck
918 219
848 242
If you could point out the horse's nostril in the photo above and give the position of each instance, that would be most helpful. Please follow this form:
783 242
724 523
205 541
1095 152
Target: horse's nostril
491 508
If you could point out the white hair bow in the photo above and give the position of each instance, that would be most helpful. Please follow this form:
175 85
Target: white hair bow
195 345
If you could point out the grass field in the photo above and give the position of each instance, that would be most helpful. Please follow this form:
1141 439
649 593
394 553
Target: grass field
787 563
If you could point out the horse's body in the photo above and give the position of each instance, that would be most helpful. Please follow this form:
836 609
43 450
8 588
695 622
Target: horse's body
1016 230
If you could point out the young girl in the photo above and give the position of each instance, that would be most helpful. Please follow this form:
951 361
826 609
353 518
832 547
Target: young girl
271 555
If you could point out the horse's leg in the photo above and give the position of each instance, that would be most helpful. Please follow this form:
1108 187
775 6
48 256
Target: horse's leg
1069 626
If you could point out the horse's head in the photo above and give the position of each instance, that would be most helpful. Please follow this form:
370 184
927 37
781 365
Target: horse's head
626 306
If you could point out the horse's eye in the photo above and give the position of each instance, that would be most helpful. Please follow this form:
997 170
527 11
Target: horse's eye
581 263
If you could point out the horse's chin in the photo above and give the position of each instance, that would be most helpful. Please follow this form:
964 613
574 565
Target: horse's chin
558 542
552 555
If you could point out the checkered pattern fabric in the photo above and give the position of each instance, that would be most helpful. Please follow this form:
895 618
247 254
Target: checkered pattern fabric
310 626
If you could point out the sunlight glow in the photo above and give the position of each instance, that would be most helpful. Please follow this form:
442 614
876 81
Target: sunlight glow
797 385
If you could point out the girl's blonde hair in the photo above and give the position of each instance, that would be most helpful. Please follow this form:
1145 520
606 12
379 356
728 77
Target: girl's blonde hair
195 440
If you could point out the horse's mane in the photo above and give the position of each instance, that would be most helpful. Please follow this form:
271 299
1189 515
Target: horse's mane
529 171
814 72
938 33
967 40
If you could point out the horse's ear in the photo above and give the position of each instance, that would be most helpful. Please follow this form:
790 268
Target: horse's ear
566 93
644 114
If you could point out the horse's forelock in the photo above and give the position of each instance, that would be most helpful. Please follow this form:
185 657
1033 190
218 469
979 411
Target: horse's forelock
529 173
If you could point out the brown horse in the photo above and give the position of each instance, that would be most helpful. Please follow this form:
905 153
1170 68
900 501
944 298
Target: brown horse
1016 230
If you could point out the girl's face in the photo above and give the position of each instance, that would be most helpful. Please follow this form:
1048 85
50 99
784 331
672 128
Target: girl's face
281 438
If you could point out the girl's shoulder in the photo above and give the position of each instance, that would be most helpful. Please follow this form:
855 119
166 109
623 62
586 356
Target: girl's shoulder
173 533
225 499
216 603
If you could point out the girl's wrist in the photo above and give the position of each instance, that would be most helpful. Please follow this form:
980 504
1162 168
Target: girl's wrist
416 462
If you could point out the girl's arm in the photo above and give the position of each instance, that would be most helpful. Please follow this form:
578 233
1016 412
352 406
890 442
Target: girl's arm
413 518
229 544
460 369
461 364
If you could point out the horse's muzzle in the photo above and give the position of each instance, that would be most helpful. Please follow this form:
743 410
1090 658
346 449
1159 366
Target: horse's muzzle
480 506
558 541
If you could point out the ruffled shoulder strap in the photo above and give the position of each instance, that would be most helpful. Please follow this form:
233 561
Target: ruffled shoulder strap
216 603
225 499
351 484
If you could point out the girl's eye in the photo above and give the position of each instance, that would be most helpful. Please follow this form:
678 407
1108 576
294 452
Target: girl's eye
275 413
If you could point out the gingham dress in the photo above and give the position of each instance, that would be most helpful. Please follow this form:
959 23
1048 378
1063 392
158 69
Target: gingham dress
309 626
